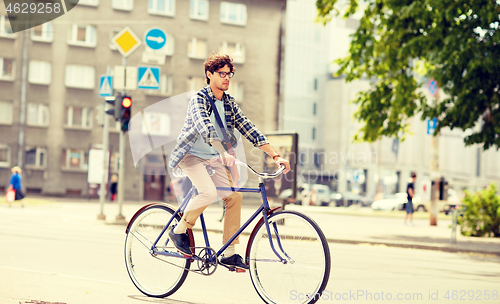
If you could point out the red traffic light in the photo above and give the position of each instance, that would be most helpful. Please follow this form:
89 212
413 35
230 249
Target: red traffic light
126 102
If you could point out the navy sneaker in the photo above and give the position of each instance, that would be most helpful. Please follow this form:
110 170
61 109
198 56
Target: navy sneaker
181 242
235 261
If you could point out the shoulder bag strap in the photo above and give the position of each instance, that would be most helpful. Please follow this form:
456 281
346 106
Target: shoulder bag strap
221 125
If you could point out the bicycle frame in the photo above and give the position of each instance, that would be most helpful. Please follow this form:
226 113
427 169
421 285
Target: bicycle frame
264 209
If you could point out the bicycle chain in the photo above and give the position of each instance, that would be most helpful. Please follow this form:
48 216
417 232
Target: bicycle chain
196 271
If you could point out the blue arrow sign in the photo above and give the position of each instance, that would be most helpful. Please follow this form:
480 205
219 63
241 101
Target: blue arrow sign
155 38
148 78
105 86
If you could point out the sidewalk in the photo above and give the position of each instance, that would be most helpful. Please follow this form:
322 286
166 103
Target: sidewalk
340 225
352 229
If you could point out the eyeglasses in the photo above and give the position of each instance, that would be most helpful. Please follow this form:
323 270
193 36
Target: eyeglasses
224 74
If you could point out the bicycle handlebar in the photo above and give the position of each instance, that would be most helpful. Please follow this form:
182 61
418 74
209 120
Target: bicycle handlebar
177 172
263 175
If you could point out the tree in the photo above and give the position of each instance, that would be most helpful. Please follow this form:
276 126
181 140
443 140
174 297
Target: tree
401 44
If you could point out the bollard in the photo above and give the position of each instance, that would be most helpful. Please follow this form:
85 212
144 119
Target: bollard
454 226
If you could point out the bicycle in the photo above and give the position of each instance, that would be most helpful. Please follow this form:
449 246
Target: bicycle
287 252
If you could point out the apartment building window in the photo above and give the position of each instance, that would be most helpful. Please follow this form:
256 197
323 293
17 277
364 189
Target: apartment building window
236 90
38 115
36 157
313 133
75 159
126 5
5 113
79 117
233 13
161 7
42 32
317 159
235 50
6 69
80 76
197 48
4 155
198 9
5 29
40 72
195 83
82 35
315 84
166 84
315 108
89 2
112 34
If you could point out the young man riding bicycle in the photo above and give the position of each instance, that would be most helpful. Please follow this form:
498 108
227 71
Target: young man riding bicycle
201 144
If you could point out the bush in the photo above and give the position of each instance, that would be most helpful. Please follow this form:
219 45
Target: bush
482 213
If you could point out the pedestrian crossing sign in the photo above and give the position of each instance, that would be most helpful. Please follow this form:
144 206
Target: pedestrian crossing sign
148 78
105 86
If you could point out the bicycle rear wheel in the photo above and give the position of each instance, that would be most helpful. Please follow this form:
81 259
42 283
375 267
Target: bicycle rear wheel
155 276
305 275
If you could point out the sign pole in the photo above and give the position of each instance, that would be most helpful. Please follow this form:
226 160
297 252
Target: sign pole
434 168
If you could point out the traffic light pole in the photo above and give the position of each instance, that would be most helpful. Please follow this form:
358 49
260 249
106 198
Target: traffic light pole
105 148
121 161
121 176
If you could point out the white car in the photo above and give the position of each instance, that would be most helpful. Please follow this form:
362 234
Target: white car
393 202
322 195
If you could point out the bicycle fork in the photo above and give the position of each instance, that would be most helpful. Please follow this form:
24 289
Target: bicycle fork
266 221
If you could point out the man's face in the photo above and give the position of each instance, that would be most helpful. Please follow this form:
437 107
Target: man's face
222 83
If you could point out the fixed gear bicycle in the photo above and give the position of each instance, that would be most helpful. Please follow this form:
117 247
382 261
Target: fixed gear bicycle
287 252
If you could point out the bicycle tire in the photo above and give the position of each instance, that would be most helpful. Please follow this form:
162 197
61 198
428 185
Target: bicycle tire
305 276
153 276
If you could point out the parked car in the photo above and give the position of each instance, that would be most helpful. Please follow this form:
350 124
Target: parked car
321 195
347 199
287 194
392 202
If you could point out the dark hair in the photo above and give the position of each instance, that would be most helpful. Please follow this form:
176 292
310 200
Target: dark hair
216 61
413 175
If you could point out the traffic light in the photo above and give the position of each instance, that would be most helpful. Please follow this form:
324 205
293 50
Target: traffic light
443 189
115 111
125 112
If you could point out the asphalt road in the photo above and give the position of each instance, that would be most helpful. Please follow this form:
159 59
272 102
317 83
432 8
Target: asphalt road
58 253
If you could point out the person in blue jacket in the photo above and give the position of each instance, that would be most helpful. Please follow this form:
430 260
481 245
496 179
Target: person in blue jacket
15 182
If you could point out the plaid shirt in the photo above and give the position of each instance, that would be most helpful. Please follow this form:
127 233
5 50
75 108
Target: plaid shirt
198 124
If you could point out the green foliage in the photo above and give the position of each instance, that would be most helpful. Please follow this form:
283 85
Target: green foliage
455 42
482 213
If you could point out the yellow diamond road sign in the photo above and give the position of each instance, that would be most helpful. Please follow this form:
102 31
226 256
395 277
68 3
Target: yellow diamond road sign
126 41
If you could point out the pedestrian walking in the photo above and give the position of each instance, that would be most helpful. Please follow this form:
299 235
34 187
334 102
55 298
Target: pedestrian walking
113 189
16 184
410 191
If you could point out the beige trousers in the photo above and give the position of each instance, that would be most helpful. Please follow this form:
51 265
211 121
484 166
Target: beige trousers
195 169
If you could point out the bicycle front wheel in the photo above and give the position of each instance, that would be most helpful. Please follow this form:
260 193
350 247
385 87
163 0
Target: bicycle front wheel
155 276
300 241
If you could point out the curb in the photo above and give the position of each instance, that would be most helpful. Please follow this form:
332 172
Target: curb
388 244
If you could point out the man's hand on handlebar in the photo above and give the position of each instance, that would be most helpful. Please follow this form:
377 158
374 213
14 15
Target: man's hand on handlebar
281 161
227 159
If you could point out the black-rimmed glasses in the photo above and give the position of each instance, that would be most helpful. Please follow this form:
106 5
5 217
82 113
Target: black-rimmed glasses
224 74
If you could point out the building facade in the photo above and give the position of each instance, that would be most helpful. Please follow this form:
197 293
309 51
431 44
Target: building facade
317 106
48 114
